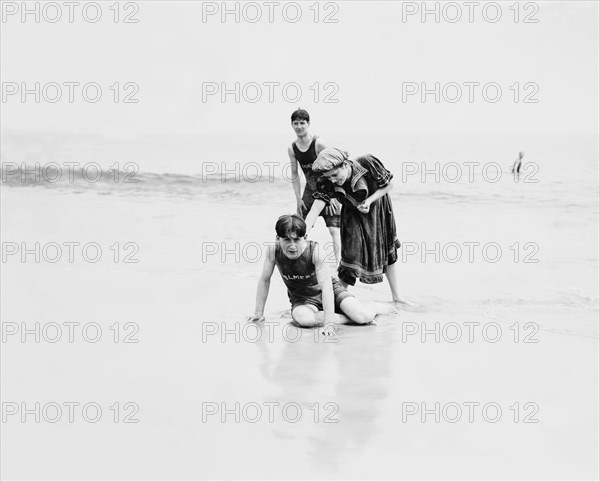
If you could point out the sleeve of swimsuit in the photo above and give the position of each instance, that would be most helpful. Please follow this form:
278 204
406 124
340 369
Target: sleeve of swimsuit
376 169
324 190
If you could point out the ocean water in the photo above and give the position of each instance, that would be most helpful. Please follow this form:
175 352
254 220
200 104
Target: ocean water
504 272
461 195
199 240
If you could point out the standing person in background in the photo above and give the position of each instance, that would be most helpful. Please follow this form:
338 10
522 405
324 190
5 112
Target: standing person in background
304 151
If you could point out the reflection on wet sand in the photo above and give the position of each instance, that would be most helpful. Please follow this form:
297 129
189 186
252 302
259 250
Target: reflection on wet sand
339 385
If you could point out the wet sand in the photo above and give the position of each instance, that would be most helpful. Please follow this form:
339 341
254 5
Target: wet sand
364 380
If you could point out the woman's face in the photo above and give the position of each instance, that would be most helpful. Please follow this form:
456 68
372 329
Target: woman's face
339 175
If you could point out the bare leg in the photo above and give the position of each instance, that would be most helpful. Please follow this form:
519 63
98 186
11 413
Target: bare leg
380 308
358 312
337 243
304 315
364 313
308 316
392 277
337 318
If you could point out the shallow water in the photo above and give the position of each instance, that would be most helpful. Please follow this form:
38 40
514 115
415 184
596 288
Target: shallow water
494 376
504 332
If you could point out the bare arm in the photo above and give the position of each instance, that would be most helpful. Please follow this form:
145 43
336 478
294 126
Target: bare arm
296 180
364 207
319 145
324 280
313 214
264 283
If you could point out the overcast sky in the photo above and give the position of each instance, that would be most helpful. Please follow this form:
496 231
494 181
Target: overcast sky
368 54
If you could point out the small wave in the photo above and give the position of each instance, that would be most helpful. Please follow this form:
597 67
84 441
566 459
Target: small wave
228 186
132 183
567 299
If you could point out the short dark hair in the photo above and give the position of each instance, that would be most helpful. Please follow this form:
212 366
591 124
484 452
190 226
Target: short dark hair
290 224
300 114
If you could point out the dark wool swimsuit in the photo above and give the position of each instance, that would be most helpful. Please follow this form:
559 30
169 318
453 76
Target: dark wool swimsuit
369 241
300 278
306 159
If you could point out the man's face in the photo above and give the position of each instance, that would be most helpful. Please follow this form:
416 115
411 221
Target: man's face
300 127
292 245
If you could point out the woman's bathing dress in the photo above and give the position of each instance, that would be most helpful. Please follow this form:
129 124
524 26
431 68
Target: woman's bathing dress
369 240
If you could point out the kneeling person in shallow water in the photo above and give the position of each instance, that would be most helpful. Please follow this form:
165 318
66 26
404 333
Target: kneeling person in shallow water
316 297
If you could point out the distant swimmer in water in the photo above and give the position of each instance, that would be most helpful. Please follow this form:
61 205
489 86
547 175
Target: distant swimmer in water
516 167
317 298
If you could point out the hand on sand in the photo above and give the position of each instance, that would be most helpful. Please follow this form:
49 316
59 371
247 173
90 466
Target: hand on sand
329 330
255 318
